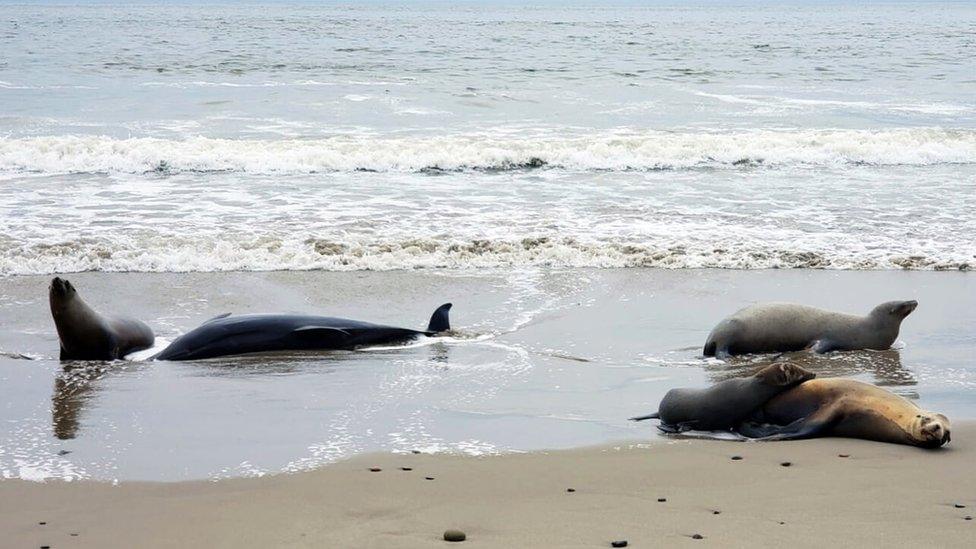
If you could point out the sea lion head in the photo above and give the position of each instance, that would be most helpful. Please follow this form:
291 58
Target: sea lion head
896 310
930 430
61 292
784 374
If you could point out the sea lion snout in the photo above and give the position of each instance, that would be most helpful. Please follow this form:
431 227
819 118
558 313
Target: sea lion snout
61 287
934 430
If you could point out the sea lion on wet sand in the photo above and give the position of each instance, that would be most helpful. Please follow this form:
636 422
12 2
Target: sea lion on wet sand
784 327
726 404
87 335
261 333
846 408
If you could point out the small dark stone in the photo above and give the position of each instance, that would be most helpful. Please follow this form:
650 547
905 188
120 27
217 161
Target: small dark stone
843 455
415 451
736 458
63 452
967 517
662 500
697 536
406 468
45 547
570 489
621 543
74 535
786 464
42 523
781 522
454 535
428 478
959 506
375 469
716 512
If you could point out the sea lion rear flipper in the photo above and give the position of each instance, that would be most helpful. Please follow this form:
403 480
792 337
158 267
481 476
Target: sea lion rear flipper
822 346
655 415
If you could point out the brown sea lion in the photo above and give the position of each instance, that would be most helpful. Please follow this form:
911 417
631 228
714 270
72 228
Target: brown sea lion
87 335
846 408
724 405
784 327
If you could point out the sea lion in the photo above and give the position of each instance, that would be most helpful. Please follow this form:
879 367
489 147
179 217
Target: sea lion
726 404
784 327
846 408
260 333
87 335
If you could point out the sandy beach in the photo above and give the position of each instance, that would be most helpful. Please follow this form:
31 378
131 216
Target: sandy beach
834 492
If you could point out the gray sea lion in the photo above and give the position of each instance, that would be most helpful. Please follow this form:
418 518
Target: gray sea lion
261 333
846 408
87 335
724 405
784 327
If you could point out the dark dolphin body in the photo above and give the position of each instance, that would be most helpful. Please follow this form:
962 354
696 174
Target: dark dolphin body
235 335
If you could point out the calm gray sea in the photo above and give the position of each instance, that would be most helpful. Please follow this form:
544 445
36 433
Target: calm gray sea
177 137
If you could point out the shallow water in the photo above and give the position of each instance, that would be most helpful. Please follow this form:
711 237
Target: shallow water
184 138
540 359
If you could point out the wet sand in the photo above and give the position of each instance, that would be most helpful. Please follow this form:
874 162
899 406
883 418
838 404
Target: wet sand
545 360
660 494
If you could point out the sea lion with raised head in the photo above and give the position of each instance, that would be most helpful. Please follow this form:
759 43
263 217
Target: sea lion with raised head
845 408
87 335
784 327
228 335
726 404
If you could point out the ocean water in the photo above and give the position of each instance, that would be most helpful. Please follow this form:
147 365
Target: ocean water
375 161
177 137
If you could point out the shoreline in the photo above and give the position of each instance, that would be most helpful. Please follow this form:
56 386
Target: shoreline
879 494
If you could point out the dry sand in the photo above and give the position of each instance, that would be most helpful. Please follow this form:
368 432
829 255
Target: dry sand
881 495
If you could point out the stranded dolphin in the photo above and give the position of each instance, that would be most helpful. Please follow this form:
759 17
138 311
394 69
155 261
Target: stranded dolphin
260 333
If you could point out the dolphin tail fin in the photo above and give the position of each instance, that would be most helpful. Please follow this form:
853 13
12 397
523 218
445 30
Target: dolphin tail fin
439 321
655 415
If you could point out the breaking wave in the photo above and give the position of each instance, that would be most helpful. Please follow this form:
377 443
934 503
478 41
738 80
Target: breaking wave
652 150
188 254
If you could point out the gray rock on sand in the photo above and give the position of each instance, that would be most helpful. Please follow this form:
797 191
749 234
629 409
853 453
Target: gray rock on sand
454 535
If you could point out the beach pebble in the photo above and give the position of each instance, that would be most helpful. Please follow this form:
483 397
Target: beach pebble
570 489
42 523
429 478
454 535
697 536
736 458
662 500
621 543
415 451
959 506
967 517
843 455
786 464
716 512
406 468
375 469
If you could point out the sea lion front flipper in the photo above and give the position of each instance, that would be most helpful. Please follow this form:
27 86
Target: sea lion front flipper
805 427
672 428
